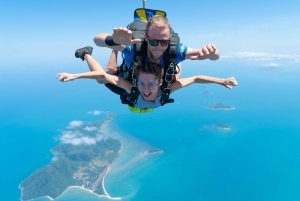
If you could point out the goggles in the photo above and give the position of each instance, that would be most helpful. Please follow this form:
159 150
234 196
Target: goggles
154 42
150 86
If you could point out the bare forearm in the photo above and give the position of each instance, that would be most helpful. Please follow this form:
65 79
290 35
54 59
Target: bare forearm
90 75
201 79
65 77
206 52
183 82
99 75
113 79
207 79
226 82
194 54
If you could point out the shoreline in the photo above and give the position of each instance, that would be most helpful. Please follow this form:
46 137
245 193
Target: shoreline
104 190
106 131
106 195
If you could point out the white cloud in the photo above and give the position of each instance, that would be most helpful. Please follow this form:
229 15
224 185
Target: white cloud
96 112
55 158
271 64
77 138
262 56
90 128
74 124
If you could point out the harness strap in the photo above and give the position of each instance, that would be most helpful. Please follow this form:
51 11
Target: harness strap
166 90
138 27
133 96
165 97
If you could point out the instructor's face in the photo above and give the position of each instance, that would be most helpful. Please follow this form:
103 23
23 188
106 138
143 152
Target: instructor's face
156 52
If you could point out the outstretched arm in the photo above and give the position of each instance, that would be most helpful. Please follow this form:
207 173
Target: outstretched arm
228 82
209 51
121 37
100 75
113 79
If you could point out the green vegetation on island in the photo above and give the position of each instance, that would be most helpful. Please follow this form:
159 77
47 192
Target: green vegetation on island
80 160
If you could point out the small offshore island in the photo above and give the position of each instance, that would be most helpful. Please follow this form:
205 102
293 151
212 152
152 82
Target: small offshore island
152 151
155 151
82 159
207 92
222 126
219 106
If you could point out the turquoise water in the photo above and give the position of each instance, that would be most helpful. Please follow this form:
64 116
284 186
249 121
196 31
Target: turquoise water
257 159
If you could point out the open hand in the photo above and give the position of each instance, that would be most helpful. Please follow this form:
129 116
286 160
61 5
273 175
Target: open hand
229 82
123 36
65 77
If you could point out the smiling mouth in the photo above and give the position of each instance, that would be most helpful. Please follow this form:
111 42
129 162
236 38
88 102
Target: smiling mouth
146 95
158 52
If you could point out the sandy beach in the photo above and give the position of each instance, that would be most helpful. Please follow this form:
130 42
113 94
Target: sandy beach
106 195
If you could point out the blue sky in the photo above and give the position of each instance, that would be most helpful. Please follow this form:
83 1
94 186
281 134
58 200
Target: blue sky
265 33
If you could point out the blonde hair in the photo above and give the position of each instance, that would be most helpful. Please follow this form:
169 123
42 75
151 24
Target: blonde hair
158 22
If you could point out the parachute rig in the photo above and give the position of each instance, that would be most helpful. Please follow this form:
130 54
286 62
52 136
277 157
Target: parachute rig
138 28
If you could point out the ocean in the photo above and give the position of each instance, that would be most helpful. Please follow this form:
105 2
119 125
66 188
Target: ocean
256 159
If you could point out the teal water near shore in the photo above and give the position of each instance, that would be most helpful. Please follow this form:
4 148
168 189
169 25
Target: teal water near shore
257 159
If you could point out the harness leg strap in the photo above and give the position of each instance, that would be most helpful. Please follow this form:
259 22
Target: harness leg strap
165 97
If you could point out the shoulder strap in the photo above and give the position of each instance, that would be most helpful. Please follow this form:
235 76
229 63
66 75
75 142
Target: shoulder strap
138 29
169 68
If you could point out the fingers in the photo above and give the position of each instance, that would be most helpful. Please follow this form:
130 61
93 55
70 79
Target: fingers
206 51
63 77
122 30
59 75
229 87
233 81
229 82
213 47
210 48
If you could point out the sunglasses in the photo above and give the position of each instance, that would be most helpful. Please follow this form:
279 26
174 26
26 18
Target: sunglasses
154 42
150 86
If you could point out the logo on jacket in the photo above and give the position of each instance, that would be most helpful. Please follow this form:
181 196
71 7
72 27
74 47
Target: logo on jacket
181 51
129 48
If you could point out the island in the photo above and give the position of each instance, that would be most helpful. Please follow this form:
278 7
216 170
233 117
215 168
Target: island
221 126
219 106
82 159
155 151
207 92
151 151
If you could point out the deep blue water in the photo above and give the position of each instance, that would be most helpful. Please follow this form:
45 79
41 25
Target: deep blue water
257 159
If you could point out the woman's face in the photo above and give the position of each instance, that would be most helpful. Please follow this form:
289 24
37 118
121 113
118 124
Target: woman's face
148 86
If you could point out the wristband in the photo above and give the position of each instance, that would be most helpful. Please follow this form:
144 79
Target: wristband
109 41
